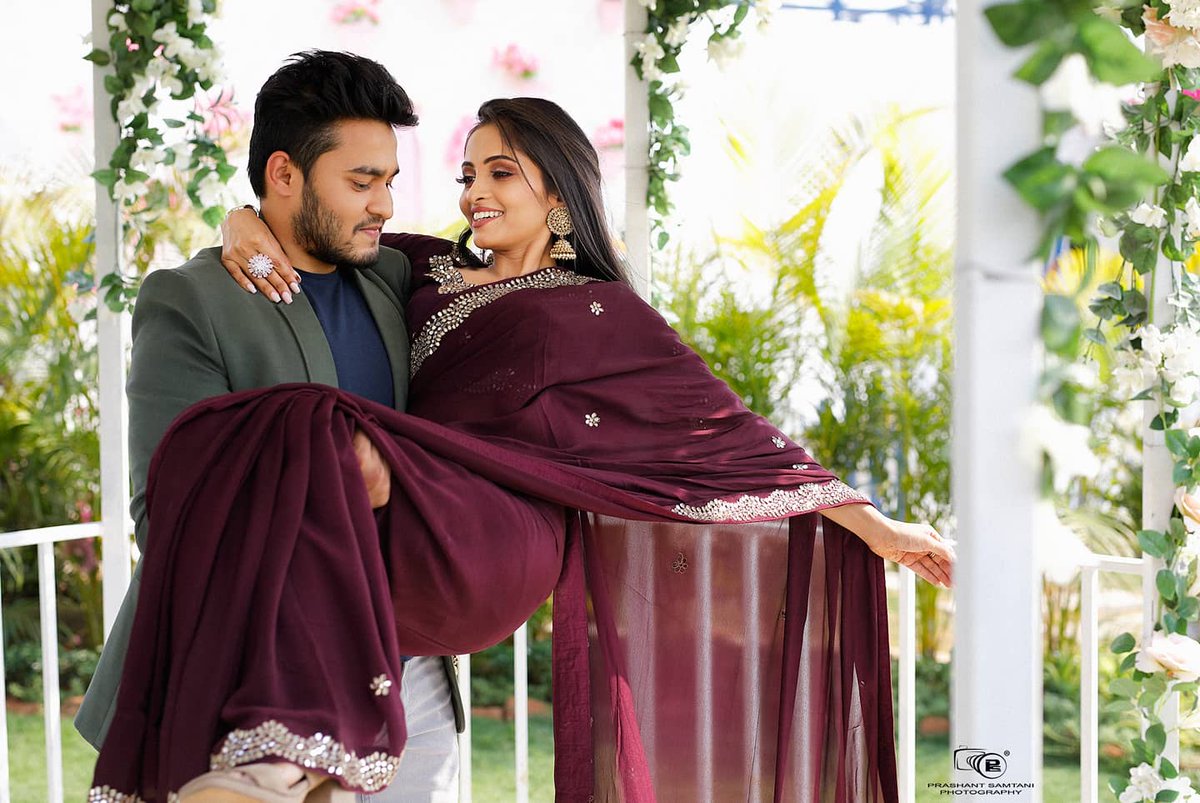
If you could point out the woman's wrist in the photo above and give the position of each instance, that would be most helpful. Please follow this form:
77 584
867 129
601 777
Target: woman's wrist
237 209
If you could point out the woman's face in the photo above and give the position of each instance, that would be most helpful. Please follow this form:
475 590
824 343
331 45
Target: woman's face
504 198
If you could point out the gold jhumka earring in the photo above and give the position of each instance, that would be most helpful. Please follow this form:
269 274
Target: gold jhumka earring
559 223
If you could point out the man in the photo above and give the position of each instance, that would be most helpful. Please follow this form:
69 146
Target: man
322 159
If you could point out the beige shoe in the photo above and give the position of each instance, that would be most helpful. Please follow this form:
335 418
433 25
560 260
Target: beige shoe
251 783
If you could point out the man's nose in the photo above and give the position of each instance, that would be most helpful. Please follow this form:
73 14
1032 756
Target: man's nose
381 204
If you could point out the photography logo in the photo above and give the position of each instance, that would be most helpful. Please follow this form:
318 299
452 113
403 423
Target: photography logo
986 764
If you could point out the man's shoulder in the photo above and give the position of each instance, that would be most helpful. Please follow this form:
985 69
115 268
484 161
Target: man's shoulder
203 271
391 263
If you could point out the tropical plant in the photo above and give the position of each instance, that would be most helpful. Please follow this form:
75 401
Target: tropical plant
877 352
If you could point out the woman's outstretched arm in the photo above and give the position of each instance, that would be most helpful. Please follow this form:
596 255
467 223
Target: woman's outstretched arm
917 546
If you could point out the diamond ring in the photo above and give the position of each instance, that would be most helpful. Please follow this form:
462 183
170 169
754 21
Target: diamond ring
261 266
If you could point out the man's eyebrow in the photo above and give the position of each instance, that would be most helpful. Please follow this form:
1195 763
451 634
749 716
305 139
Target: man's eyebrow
376 172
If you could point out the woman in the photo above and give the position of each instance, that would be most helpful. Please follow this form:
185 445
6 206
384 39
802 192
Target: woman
541 386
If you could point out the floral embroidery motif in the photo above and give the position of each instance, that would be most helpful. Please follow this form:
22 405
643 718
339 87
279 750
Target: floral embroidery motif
778 504
441 268
596 308
456 313
592 419
779 442
801 466
272 739
680 565
381 685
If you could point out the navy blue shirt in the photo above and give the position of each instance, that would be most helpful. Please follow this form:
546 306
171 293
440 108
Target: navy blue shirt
358 351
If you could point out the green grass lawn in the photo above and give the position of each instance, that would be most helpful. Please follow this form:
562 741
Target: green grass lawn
493 764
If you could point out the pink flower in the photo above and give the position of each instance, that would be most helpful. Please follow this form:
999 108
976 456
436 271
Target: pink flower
1194 94
1172 45
220 112
515 62
74 109
349 12
610 135
458 141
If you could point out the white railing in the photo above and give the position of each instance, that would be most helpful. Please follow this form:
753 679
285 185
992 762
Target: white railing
45 539
1089 680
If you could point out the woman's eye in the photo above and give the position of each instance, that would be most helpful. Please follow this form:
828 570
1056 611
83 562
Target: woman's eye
500 174
466 181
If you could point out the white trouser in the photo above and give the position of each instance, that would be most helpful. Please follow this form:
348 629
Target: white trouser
429 767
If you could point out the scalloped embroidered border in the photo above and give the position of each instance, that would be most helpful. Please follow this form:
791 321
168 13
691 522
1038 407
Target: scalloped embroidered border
776 505
320 752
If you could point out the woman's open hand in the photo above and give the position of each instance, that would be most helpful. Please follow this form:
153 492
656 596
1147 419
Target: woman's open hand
917 546
243 236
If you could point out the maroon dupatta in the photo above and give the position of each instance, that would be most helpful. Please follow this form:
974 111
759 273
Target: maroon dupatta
274 629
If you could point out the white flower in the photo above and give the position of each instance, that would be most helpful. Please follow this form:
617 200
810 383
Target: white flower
1096 105
212 191
724 49
172 84
1075 146
651 51
144 160
1171 44
765 9
195 11
649 5
116 21
1183 785
1060 552
1148 215
676 35
129 191
1186 389
1144 784
1152 343
1192 210
1184 13
1066 445
1178 656
1190 162
130 107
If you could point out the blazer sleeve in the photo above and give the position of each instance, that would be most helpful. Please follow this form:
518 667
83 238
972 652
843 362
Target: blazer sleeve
175 363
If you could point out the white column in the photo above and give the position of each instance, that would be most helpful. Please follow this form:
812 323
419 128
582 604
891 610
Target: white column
1158 491
997 688
113 333
637 143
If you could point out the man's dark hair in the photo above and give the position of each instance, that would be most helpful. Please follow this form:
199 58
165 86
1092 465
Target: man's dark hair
298 107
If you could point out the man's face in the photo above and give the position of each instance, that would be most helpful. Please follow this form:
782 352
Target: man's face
347 195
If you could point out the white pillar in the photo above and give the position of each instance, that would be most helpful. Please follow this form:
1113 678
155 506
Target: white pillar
997 688
113 334
637 144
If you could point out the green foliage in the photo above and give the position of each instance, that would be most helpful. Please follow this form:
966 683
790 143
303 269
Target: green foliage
878 356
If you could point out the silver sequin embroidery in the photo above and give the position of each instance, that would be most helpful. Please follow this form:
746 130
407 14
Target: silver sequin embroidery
272 739
776 505
456 313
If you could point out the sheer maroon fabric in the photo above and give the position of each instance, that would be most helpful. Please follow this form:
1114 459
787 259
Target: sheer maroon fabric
551 395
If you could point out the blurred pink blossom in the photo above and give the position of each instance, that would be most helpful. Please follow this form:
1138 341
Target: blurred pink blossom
74 109
84 510
1194 94
515 62
350 12
458 141
220 112
610 135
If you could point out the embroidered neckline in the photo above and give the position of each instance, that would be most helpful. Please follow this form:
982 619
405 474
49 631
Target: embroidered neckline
477 296
443 270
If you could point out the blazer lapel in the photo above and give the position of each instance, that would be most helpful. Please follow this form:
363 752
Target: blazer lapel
392 329
318 359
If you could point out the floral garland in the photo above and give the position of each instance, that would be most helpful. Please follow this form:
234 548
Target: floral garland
1130 171
160 54
668 23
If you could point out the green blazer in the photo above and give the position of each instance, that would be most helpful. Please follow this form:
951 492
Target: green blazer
197 334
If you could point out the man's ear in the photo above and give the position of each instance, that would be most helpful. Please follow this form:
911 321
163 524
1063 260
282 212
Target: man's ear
282 176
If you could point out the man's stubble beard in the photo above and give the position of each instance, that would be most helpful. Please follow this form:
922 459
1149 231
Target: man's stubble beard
317 230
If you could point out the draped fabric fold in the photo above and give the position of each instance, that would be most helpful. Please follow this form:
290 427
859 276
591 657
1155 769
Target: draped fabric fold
715 638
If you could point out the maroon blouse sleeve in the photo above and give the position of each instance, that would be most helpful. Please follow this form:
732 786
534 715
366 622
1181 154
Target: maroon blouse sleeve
417 247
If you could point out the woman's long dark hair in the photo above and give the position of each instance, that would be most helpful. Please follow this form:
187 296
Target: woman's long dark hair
542 131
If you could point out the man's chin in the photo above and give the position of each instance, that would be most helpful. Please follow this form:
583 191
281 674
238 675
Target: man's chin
361 257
